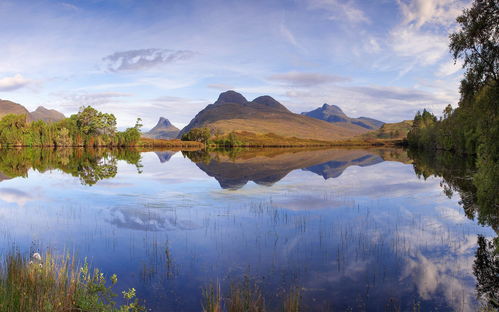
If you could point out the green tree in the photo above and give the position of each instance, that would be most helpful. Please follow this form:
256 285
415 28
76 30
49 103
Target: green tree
92 122
197 134
476 43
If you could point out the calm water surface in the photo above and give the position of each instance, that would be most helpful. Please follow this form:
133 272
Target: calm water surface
353 229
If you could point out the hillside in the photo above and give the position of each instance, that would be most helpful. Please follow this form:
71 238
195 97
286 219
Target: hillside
163 130
41 113
47 115
334 114
396 130
264 115
8 107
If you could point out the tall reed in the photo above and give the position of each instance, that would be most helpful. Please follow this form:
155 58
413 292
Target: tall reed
57 284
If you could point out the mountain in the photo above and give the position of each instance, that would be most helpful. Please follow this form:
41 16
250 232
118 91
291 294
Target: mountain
47 115
163 130
396 130
334 114
41 113
334 168
265 115
9 107
268 166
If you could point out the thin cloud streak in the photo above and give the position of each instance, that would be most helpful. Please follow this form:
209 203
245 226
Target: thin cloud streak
143 59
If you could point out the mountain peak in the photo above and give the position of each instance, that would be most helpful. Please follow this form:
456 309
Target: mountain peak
334 114
163 123
269 101
231 97
332 109
163 130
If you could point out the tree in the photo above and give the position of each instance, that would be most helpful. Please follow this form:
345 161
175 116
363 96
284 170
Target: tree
197 134
92 122
477 43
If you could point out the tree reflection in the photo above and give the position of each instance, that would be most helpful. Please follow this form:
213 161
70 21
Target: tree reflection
459 176
486 270
89 165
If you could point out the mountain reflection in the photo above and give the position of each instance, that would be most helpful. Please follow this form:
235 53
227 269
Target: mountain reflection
234 169
164 156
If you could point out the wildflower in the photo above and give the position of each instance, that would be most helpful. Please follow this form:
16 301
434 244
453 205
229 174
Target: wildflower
37 256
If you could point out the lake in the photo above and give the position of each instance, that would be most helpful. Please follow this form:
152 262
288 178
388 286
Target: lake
351 229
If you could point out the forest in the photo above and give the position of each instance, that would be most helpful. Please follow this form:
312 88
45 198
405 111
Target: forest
87 128
471 129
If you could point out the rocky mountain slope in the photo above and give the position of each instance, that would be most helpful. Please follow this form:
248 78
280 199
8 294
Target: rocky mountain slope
9 107
163 130
47 115
41 113
334 114
233 112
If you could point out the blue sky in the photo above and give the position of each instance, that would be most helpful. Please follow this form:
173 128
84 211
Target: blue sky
142 58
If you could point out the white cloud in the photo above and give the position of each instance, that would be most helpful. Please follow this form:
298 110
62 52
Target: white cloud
144 59
423 48
13 83
449 68
440 12
71 102
287 34
340 10
304 79
15 196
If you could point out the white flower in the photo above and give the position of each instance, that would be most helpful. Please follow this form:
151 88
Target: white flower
37 256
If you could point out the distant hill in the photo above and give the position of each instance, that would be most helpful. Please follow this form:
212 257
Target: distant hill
47 115
41 113
9 107
263 115
334 114
163 130
396 130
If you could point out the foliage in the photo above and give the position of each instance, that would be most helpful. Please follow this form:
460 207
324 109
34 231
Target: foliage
476 42
92 122
50 284
473 127
89 128
197 134
88 164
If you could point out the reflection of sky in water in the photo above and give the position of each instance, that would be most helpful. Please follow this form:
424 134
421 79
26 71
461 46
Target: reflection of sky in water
376 236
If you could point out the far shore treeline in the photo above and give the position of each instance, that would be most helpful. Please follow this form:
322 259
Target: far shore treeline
87 128
472 129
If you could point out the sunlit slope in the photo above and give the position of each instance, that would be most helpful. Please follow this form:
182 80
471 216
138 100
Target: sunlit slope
8 107
232 112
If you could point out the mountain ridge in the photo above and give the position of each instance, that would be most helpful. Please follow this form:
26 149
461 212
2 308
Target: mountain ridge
334 114
233 112
41 113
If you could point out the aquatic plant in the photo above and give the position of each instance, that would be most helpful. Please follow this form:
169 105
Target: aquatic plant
47 283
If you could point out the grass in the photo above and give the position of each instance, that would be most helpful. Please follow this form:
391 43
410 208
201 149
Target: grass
57 284
251 139
150 143
246 296
390 131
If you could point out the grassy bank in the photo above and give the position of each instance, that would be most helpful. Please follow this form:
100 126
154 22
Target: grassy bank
250 139
152 143
57 284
